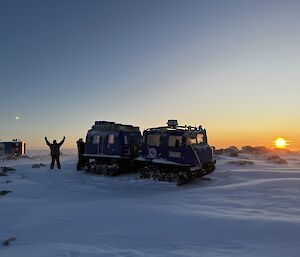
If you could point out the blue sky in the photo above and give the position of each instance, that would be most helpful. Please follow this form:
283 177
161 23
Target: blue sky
232 66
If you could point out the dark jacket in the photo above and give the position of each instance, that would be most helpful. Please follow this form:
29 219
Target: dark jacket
55 147
80 147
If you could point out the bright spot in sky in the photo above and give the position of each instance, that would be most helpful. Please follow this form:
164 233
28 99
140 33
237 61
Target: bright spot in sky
280 143
17 117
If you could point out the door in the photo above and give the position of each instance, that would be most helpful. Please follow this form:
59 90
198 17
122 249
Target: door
98 144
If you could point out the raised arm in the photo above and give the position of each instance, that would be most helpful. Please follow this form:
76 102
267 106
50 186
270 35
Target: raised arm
62 141
47 142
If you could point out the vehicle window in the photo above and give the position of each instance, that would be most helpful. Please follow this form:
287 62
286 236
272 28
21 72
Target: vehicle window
96 139
194 139
153 140
191 141
200 138
125 140
111 139
175 141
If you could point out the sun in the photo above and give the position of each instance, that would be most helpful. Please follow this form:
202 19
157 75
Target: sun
280 143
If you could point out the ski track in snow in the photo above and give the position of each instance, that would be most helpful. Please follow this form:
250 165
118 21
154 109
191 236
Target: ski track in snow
251 210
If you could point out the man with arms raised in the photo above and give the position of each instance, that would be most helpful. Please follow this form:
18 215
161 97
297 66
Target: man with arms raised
54 147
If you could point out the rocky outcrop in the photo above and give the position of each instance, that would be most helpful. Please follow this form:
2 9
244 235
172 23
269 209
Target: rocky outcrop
38 165
5 192
7 242
241 162
257 150
276 159
5 170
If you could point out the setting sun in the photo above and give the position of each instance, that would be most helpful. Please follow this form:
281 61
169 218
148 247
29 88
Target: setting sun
280 143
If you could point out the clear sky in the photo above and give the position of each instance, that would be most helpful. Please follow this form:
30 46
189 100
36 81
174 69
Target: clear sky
232 66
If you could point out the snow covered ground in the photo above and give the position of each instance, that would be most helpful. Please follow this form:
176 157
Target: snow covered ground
250 210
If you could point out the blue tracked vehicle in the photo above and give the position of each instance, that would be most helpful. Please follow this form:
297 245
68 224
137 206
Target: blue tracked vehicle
175 153
111 147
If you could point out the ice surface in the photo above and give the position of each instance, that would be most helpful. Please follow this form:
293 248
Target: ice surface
251 210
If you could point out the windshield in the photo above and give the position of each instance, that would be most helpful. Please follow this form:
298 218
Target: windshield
195 139
175 141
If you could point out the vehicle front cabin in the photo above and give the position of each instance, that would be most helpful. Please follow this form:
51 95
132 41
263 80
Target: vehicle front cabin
183 145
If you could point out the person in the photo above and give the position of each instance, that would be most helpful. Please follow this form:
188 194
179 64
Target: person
54 147
81 149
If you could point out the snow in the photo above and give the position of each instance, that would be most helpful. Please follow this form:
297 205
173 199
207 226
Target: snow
245 210
161 161
102 155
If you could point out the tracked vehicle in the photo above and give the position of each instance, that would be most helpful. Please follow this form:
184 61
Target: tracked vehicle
111 147
175 153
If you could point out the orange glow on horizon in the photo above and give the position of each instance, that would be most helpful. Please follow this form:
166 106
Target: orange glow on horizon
252 139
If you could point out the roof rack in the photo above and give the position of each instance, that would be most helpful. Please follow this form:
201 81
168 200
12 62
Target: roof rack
112 126
173 125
